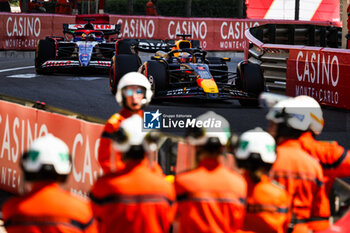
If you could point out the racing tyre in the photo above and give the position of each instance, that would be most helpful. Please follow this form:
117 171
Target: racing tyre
122 64
45 51
156 72
126 46
251 80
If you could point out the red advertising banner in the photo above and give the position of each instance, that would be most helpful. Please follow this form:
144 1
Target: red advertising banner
213 34
23 31
321 74
230 33
16 133
137 26
20 125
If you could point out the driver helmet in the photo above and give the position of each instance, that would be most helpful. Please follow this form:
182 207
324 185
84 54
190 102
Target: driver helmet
91 37
185 57
47 158
89 26
133 79
83 36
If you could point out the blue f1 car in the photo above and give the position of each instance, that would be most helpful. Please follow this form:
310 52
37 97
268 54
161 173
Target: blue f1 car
85 46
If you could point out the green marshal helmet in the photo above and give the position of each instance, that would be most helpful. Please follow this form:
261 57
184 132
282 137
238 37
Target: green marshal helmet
255 147
47 158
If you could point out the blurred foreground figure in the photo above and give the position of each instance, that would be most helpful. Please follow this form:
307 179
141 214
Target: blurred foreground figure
133 94
268 201
47 207
133 199
210 198
294 168
334 159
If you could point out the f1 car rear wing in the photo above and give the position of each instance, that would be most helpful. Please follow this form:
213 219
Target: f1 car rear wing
107 29
154 45
149 45
184 42
97 18
194 43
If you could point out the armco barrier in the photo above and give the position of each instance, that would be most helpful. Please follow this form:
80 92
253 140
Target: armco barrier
22 31
20 125
305 60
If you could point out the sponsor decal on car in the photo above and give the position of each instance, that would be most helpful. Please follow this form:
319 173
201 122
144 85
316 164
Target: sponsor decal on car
57 63
102 63
178 92
96 26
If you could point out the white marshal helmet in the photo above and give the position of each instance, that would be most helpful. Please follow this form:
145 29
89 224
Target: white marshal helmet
268 99
298 113
131 133
209 125
256 141
314 109
47 152
134 79
290 113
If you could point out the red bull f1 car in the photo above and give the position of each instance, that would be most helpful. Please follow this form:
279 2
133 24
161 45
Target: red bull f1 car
180 69
85 46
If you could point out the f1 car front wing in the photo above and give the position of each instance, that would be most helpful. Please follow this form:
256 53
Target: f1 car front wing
225 92
72 64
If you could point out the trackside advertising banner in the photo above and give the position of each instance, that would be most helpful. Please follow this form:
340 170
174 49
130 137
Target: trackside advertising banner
20 125
320 73
22 31
213 34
